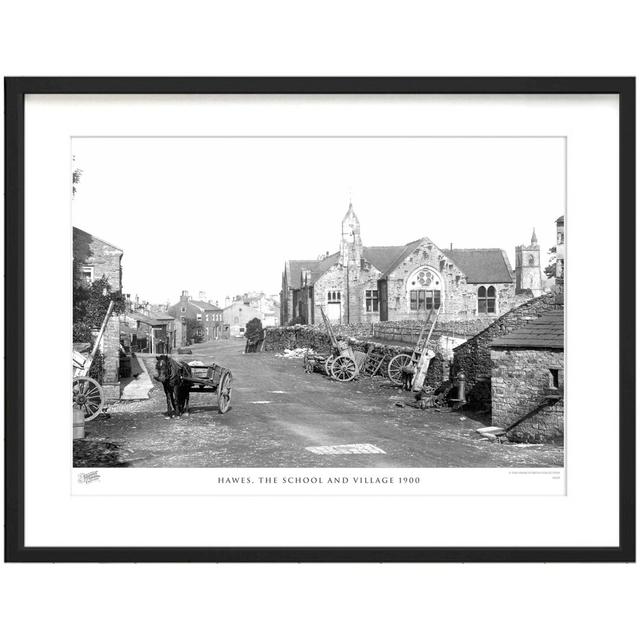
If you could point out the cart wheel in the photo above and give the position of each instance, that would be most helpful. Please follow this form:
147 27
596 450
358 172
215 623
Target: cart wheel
87 394
396 365
327 365
224 392
344 368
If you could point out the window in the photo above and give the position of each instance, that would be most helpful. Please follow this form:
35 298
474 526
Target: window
486 300
371 299
86 274
425 290
207 318
183 310
199 317
425 299
554 378
333 296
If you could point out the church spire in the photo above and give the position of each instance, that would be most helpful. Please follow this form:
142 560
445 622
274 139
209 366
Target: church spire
351 244
534 237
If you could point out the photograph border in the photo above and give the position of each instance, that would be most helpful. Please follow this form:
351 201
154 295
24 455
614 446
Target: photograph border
15 91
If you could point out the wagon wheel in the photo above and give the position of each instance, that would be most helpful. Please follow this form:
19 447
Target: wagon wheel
224 392
396 365
87 394
344 368
327 365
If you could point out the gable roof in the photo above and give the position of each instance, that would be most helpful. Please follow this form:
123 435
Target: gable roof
295 269
383 258
482 266
86 234
205 306
545 332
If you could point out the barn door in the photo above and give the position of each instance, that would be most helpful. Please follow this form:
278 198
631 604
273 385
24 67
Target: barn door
382 300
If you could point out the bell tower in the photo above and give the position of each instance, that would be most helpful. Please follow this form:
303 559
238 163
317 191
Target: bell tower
528 272
351 243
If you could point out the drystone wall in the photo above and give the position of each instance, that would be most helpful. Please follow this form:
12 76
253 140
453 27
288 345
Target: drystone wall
305 336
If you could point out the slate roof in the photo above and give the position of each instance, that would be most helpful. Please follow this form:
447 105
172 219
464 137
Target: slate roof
545 332
205 306
482 266
295 270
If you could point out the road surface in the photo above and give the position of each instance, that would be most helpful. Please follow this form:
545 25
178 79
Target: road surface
278 411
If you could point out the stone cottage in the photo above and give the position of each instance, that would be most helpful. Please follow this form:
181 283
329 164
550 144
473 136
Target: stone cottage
473 357
370 284
93 259
527 381
208 317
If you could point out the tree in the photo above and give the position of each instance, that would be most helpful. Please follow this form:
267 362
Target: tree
195 332
75 177
550 269
90 304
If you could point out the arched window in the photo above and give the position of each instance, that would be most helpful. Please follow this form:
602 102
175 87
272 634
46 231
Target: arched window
424 287
486 299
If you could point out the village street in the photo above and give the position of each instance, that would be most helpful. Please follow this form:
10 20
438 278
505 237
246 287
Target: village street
277 411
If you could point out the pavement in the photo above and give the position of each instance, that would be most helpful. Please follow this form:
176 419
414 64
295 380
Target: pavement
137 388
281 416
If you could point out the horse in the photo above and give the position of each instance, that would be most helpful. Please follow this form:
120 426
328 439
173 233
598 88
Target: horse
171 374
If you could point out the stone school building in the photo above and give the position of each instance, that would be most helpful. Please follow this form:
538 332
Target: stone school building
370 284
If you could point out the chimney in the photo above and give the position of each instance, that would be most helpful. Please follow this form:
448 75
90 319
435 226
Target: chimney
451 246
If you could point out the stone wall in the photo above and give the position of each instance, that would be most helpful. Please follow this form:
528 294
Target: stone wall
104 258
474 356
524 398
111 351
305 336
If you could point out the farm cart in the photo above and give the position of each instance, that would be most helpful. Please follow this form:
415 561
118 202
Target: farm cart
211 378
418 362
87 392
342 363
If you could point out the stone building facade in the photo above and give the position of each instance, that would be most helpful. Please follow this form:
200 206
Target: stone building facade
379 283
527 381
473 357
93 259
207 315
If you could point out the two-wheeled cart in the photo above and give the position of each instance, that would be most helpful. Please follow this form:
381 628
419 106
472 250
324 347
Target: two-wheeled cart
342 363
417 363
211 378
87 392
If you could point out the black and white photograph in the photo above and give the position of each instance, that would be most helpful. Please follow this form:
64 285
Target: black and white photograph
375 302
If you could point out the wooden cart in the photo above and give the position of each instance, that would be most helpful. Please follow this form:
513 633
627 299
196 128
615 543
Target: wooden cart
87 392
419 359
342 363
211 378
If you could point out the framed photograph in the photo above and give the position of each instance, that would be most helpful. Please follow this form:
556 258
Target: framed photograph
320 319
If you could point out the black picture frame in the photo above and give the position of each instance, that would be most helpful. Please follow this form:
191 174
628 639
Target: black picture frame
15 91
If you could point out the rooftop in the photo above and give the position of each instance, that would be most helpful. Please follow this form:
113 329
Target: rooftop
545 332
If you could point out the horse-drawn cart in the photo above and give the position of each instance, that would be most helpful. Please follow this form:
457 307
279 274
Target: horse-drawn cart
211 378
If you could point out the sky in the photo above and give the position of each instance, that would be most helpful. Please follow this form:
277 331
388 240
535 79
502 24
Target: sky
221 215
